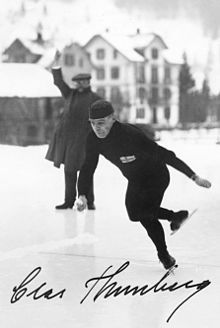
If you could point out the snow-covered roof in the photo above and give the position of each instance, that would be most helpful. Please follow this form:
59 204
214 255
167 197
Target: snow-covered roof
143 40
122 44
26 80
172 56
32 45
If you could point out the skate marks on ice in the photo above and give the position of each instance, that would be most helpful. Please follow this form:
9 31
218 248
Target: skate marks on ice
185 221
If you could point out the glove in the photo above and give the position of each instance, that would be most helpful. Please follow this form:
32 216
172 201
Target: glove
81 203
200 181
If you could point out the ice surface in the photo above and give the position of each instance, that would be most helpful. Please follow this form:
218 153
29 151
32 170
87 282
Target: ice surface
73 247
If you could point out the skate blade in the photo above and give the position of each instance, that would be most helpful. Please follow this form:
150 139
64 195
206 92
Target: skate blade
173 268
188 217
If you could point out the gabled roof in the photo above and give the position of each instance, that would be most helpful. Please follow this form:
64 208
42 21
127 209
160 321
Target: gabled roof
31 45
172 57
143 40
26 80
121 43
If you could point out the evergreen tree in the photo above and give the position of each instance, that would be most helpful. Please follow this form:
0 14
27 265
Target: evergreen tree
186 83
205 101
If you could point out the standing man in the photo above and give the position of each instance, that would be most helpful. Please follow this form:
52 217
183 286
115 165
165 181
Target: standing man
68 143
143 163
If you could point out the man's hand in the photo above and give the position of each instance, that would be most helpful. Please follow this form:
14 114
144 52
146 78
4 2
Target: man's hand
56 62
201 182
81 203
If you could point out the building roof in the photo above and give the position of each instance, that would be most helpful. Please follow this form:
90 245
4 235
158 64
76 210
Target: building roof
26 80
121 43
143 40
173 57
32 45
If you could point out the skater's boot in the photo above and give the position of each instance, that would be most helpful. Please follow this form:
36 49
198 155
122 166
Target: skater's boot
177 219
64 206
167 260
91 206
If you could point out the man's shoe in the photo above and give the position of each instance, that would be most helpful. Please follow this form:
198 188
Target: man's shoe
167 260
177 219
64 206
91 206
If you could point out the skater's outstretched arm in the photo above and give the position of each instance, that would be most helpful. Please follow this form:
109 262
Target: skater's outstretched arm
166 156
200 181
86 173
172 160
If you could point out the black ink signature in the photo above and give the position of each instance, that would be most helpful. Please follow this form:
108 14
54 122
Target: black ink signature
22 289
112 289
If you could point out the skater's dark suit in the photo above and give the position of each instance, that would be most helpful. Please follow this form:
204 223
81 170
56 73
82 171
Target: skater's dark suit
141 160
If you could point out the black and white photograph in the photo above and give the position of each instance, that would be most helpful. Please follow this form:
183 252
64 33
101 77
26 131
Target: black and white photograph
110 156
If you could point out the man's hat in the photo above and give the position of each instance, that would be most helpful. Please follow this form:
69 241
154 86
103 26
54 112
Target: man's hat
82 76
100 109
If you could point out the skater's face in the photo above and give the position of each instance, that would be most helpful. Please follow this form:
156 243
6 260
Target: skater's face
102 126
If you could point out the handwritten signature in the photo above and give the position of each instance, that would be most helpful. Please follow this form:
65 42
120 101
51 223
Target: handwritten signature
112 289
22 290
108 288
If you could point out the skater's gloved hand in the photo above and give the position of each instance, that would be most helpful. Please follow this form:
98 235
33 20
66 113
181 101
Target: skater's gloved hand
201 182
81 203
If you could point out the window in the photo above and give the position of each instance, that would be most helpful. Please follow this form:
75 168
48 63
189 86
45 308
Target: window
115 93
115 72
167 113
100 73
142 94
69 60
101 92
81 62
140 74
154 115
100 53
154 74
154 53
140 113
167 93
167 75
154 95
115 53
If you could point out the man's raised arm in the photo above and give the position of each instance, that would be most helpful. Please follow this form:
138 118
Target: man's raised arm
58 77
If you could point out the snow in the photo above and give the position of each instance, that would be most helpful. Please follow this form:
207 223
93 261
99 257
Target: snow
124 45
26 80
142 40
73 247
79 20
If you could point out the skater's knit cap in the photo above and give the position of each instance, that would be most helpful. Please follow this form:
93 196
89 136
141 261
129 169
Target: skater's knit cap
100 109
82 76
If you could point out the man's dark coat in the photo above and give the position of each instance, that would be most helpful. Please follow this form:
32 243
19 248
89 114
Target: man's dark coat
68 142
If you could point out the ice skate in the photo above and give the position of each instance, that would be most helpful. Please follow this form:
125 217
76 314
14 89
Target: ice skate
179 219
167 260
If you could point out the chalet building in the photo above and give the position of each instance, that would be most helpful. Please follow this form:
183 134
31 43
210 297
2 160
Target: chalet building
161 71
138 75
22 50
117 75
29 104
